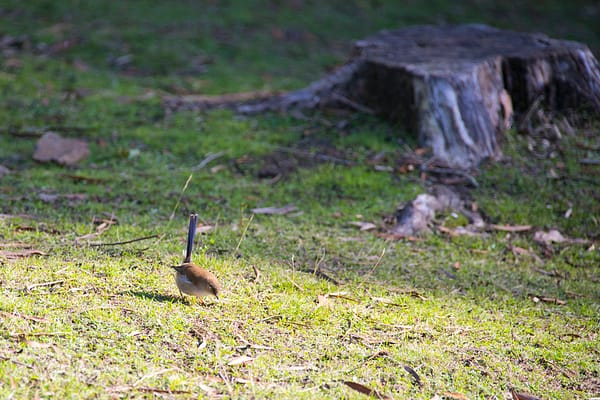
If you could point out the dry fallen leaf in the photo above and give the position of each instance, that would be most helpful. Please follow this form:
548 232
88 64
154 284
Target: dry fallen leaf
549 237
204 228
322 300
364 226
275 210
65 151
240 360
519 251
103 225
217 168
522 396
568 213
365 390
414 375
554 236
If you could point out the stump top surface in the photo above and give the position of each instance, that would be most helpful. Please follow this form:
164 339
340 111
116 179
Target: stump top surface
456 45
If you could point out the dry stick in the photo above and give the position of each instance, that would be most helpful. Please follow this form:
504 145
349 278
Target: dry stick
30 287
23 316
352 104
376 263
36 334
145 389
243 234
529 113
187 183
124 242
189 179
209 158
16 362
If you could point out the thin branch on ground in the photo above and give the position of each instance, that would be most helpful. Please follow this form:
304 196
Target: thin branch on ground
23 316
210 157
38 285
123 242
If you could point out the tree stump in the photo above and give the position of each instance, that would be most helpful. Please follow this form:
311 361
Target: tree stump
456 87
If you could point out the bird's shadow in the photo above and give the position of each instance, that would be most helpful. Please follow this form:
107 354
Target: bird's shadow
164 298
155 296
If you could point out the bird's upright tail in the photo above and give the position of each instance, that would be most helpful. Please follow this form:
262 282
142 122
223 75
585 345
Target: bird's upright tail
190 238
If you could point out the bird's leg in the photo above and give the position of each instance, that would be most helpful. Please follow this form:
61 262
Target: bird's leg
181 294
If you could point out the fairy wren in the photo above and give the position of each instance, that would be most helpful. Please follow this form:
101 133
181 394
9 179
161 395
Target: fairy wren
190 278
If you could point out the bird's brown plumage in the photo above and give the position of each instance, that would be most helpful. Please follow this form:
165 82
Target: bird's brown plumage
196 281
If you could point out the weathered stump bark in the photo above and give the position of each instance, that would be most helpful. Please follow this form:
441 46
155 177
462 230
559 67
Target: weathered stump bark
456 87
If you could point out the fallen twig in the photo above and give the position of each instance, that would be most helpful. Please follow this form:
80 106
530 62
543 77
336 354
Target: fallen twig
511 228
525 122
18 254
16 362
352 104
123 242
340 295
553 274
209 158
37 285
23 335
145 389
23 316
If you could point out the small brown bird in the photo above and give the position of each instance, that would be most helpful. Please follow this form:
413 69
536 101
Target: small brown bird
190 278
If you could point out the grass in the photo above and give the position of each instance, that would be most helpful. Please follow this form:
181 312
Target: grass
106 321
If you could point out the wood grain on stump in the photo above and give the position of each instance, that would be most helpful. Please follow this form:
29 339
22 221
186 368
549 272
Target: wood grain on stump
456 87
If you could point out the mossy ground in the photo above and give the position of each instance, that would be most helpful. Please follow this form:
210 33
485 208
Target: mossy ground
459 311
